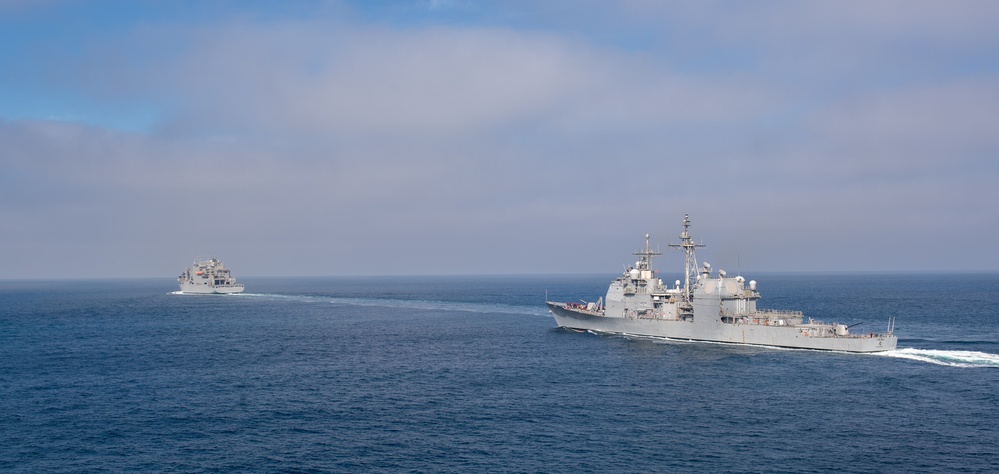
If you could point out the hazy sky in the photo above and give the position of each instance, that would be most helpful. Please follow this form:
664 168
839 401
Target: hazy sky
465 137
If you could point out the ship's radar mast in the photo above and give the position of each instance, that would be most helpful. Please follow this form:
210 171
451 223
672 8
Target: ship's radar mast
646 262
687 245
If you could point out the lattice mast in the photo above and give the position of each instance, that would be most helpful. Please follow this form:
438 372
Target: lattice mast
688 246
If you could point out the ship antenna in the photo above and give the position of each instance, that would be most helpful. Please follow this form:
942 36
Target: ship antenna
688 246
647 254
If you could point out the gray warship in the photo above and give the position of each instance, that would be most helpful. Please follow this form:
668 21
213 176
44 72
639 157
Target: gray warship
208 277
705 307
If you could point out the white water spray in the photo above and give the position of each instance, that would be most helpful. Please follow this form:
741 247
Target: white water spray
945 357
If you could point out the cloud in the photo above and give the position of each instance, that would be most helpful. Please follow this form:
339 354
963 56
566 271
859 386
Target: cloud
333 145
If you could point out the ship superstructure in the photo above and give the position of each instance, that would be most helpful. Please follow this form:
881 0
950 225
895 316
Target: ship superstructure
706 307
208 277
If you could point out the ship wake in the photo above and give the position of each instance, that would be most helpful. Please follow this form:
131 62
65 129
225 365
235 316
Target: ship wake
946 357
416 304
950 358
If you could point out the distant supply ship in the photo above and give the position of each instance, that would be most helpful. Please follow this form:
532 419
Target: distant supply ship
208 277
706 308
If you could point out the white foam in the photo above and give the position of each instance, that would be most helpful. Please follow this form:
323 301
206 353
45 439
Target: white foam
933 356
178 292
945 357
408 304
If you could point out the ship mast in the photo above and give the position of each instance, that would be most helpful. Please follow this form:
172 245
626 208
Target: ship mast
690 262
646 262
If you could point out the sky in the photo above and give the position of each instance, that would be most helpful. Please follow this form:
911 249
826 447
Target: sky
312 138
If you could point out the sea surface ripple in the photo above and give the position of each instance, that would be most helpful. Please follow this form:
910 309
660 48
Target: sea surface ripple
459 374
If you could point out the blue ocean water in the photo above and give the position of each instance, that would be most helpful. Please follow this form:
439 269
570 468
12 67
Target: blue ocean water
470 374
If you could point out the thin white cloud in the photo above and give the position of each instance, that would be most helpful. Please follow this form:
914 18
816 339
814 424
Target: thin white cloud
333 146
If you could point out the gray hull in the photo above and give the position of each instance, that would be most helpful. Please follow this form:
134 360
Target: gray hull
704 328
198 289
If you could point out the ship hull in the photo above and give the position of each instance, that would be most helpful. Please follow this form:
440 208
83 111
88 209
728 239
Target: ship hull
197 289
699 329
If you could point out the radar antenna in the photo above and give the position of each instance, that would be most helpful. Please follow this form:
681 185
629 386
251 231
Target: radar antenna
647 254
687 245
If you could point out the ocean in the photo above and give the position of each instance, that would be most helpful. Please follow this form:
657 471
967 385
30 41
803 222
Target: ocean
470 374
